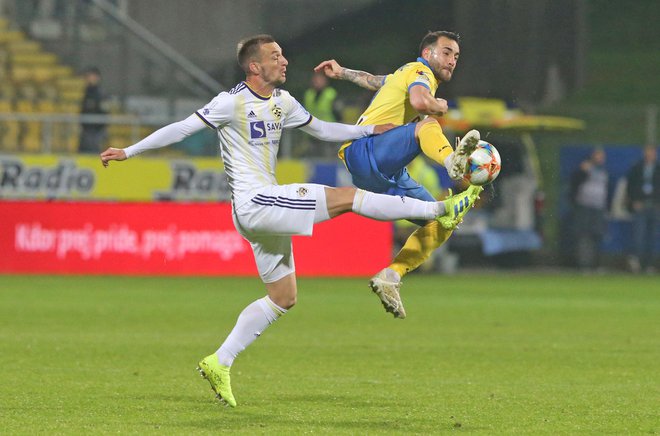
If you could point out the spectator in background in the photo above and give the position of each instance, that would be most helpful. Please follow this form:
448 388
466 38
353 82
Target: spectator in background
589 199
644 203
320 99
92 135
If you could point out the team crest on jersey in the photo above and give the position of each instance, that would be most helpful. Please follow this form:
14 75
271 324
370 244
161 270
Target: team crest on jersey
422 78
302 192
277 111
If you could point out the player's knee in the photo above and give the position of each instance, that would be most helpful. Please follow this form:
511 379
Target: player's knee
283 291
291 301
285 301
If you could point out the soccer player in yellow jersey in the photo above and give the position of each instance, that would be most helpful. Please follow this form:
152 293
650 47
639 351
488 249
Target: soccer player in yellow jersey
378 163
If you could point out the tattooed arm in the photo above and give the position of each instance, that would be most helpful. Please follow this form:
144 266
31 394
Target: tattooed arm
361 78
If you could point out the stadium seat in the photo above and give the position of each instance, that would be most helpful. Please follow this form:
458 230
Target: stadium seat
21 73
30 136
23 46
9 129
7 36
71 83
43 74
34 59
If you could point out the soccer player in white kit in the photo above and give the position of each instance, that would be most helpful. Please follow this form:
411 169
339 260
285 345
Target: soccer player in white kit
249 120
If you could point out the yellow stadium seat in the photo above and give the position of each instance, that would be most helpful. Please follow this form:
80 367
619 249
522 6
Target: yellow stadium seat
6 107
23 46
69 83
146 131
65 137
46 106
62 71
120 130
118 142
24 106
42 74
32 59
31 141
68 107
21 73
7 90
11 36
9 129
72 95
48 92
30 136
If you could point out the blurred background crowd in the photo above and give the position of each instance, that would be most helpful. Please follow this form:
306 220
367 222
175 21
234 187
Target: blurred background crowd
567 90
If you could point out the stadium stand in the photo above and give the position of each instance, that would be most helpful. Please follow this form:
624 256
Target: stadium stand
35 83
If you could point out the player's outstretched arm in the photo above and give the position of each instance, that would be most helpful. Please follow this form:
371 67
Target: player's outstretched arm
339 132
332 69
168 135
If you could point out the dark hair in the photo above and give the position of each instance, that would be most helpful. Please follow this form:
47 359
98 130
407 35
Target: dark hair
432 37
248 49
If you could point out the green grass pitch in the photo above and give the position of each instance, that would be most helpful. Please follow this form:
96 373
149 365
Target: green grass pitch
484 354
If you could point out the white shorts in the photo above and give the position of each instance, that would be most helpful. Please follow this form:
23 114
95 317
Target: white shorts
271 217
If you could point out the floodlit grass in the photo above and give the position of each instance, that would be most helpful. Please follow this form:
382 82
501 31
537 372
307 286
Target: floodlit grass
533 354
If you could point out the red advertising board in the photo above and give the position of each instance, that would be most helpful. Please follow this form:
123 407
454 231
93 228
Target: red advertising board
170 239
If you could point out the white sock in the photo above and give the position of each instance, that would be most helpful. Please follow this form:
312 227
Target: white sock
391 207
250 324
392 275
449 160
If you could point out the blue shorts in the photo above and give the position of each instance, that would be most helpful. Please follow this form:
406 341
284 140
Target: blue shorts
378 163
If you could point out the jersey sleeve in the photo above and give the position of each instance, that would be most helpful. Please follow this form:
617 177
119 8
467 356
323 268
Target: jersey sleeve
170 134
296 114
218 112
421 77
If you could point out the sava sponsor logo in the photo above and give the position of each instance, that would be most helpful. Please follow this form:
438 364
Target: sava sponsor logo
259 129
191 183
17 179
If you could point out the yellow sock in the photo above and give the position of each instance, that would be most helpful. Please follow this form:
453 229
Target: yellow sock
419 246
434 143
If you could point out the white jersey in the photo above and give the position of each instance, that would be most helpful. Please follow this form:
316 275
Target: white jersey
249 127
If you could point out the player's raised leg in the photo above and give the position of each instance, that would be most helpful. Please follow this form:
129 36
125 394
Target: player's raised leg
458 205
435 145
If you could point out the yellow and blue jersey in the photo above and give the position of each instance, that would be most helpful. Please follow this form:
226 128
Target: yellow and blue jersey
391 104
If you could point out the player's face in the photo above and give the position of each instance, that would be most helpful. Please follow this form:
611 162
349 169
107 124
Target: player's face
272 64
443 57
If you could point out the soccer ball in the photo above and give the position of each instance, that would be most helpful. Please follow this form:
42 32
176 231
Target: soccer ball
484 164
